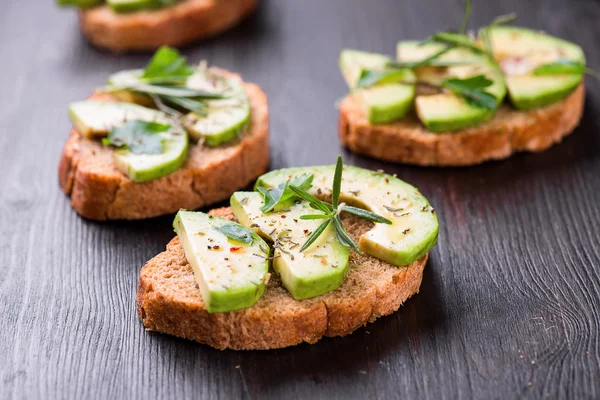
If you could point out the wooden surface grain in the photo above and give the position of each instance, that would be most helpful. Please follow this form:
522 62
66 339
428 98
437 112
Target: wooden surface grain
510 302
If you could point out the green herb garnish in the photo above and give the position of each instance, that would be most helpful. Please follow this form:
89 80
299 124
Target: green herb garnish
331 212
164 81
432 60
167 66
472 90
140 137
370 78
236 232
279 194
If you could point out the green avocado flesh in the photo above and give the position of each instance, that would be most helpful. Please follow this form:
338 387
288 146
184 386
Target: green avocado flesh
80 3
414 228
145 167
230 274
96 118
519 51
226 118
319 269
446 111
126 6
388 100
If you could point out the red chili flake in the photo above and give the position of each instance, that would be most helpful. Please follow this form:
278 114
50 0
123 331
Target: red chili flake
283 216
217 247
234 249
323 261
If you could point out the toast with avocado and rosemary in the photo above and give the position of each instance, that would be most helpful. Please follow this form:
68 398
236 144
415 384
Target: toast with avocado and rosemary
165 137
134 25
460 99
312 252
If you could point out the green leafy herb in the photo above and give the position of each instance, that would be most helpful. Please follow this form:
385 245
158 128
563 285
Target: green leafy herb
194 105
432 60
370 78
365 214
279 194
561 66
167 66
236 232
140 137
466 17
164 81
456 40
472 91
331 212
173 91
503 19
313 236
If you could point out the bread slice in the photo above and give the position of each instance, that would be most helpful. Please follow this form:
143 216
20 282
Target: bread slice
169 301
99 191
408 141
176 25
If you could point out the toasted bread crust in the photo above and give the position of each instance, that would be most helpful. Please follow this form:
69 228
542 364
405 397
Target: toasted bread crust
407 141
169 301
99 191
175 25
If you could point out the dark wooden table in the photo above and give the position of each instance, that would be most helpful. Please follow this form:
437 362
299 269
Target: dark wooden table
509 305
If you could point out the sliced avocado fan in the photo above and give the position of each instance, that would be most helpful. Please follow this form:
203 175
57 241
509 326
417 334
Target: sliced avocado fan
521 51
230 260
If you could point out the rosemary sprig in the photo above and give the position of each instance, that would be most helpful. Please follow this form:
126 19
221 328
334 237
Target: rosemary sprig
331 211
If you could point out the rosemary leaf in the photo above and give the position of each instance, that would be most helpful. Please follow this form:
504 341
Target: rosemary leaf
313 236
368 215
337 182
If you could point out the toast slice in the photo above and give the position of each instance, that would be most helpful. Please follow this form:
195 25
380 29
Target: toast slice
408 141
169 301
175 25
99 191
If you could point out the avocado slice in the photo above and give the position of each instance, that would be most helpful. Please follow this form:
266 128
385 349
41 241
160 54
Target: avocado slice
226 119
319 269
388 100
80 3
445 111
414 228
519 51
231 274
95 118
145 167
127 6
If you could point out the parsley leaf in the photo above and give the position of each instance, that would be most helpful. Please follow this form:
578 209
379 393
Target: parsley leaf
167 66
282 193
236 232
560 66
472 91
140 137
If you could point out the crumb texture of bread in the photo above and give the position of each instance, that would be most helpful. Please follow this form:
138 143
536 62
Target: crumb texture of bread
99 191
169 301
176 25
407 141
